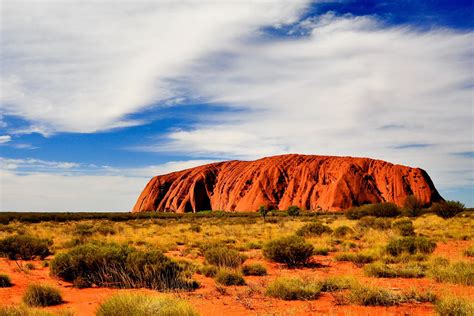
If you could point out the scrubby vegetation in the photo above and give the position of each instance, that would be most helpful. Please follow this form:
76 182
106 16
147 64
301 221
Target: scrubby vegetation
122 266
447 209
410 245
222 256
42 295
294 289
454 306
313 229
229 277
458 272
292 251
382 270
24 247
386 209
5 280
254 269
145 305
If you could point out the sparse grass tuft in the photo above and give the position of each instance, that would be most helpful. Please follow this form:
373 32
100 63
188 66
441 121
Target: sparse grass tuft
469 252
358 258
458 272
208 270
373 296
42 295
382 270
145 305
223 257
289 289
410 245
338 283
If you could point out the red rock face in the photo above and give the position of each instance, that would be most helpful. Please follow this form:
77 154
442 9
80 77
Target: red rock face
310 182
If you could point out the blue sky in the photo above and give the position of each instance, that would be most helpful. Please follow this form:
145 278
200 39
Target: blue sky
96 99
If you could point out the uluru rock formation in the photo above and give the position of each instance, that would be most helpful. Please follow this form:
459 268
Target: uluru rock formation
308 181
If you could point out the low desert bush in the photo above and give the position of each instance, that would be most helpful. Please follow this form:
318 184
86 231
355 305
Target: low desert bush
447 209
293 210
294 289
373 296
412 206
292 251
208 270
313 230
122 266
460 272
145 305
229 277
404 227
42 295
454 306
382 270
410 245
223 257
342 231
321 251
337 283
254 269
24 247
385 209
404 258
374 223
5 281
359 258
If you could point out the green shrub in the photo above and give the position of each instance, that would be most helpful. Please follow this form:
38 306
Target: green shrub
313 229
374 223
292 251
404 227
412 206
359 258
338 283
385 209
5 281
121 266
321 251
454 306
208 270
24 247
228 277
254 269
42 295
289 289
373 296
293 210
223 257
144 305
83 230
410 245
342 231
458 273
381 270
447 209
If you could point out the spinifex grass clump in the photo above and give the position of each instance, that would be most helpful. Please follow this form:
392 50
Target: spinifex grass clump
382 270
254 269
5 281
358 258
292 251
313 230
42 295
24 247
222 256
121 266
373 296
294 289
145 305
410 245
229 277
404 227
454 306
460 272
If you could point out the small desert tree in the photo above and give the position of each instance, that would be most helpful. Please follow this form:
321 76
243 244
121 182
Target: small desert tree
263 210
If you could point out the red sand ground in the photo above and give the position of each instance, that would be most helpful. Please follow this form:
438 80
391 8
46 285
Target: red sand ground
208 300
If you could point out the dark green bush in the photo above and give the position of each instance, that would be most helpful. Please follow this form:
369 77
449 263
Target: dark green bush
227 277
447 209
313 229
342 231
412 206
293 210
223 256
121 266
42 295
24 247
385 209
410 245
5 281
292 251
404 227
254 269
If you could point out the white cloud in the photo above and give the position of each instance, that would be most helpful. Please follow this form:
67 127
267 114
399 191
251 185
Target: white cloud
350 88
38 185
82 67
5 139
